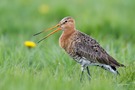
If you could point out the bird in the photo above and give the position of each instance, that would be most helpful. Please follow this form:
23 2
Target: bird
84 49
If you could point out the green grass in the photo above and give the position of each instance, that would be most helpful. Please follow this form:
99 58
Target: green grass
110 22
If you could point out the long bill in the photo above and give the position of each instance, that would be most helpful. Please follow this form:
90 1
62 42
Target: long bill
58 29
47 30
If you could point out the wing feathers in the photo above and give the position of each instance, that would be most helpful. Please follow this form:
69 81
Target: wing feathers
91 50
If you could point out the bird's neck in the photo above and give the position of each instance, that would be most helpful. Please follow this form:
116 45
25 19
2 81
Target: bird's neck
63 41
67 32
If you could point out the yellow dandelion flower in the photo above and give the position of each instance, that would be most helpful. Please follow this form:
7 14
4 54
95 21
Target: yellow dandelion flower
43 9
29 44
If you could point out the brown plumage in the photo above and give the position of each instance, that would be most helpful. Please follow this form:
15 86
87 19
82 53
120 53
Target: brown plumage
82 48
82 45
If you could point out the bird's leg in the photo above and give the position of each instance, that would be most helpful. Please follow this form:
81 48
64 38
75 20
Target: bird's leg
88 71
118 73
82 69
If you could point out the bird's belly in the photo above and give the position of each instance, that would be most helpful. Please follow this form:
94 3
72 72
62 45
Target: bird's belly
85 62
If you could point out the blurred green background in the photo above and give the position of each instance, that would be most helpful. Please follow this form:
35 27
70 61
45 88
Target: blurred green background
110 22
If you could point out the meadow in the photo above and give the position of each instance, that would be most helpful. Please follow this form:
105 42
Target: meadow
47 66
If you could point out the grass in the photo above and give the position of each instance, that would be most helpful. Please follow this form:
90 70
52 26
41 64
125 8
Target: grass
47 66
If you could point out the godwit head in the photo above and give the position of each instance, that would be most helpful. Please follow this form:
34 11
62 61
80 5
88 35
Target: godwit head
66 24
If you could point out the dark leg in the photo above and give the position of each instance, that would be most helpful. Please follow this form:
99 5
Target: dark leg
82 69
88 71
118 73
81 76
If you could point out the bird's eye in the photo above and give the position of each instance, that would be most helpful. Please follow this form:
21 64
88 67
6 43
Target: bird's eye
65 22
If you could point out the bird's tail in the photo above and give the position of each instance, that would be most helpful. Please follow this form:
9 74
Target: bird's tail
110 68
115 63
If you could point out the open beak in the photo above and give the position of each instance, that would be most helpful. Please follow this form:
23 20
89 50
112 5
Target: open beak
58 29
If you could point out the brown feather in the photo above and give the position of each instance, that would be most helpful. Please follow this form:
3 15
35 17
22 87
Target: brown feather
84 46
